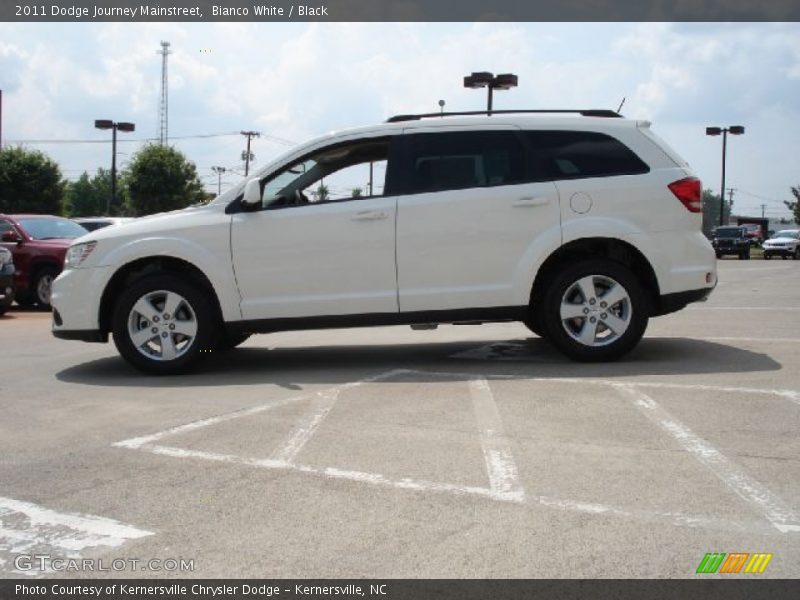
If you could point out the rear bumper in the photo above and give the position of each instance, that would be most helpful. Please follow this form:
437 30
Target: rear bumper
670 303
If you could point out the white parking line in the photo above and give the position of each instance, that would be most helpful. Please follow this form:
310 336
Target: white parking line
321 405
500 465
26 527
773 508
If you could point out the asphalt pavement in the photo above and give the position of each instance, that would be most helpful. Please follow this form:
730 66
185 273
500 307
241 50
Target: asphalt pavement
468 451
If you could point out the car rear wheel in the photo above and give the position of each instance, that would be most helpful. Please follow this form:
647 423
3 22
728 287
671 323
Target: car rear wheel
164 325
796 255
595 311
43 285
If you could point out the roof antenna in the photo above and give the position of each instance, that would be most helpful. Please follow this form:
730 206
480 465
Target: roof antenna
621 103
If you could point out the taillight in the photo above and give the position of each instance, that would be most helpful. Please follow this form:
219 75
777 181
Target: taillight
689 192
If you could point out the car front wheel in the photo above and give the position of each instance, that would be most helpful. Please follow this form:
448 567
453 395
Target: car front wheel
595 311
43 285
163 324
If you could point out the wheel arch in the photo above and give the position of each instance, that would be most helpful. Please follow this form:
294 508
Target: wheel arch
614 249
141 267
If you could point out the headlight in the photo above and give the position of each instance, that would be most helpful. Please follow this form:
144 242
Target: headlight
78 253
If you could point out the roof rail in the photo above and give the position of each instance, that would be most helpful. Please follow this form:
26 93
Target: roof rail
592 112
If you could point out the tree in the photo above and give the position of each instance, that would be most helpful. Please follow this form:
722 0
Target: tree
30 182
794 206
356 192
160 178
711 211
88 197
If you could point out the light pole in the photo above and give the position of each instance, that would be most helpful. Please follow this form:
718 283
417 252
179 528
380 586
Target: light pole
126 127
493 82
247 156
733 130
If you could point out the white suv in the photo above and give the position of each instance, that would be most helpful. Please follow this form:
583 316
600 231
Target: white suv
582 226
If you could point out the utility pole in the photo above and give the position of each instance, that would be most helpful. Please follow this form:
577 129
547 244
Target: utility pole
219 171
163 109
733 130
763 209
247 155
730 198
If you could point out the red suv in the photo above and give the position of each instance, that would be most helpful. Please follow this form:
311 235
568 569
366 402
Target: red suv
38 243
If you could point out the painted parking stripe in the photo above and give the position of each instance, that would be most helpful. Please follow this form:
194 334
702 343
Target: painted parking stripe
782 517
500 465
321 404
27 528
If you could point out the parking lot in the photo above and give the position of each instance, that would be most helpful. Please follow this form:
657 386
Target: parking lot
461 452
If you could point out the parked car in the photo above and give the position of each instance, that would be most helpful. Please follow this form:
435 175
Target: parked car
582 227
6 280
785 243
731 240
38 243
753 233
92 223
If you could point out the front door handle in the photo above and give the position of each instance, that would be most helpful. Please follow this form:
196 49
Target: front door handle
370 215
530 201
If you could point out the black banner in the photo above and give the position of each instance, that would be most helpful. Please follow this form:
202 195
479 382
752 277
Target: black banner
401 10
735 588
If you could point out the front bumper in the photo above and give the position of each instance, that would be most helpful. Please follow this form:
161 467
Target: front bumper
784 251
76 299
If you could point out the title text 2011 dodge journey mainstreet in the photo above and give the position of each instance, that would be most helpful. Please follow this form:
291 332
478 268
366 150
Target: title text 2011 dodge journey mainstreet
581 226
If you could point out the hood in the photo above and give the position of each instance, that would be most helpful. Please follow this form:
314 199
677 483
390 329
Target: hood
781 240
55 242
153 224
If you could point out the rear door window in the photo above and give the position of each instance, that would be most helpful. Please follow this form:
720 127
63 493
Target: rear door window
463 159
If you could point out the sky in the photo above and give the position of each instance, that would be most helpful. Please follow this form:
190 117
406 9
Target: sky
295 81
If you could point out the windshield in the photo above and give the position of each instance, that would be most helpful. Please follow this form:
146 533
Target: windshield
787 233
728 232
51 228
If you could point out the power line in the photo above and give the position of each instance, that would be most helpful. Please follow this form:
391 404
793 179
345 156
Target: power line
139 140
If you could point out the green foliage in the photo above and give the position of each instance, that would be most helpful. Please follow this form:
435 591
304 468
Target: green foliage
357 192
88 197
160 179
30 182
711 211
794 206
321 193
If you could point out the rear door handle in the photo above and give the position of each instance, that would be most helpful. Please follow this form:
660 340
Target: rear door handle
370 215
530 201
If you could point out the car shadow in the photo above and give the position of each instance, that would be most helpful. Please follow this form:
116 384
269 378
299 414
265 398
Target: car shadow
524 357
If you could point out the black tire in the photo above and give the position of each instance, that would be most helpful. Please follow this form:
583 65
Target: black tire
195 305
784 257
637 307
41 286
796 255
747 255
229 341
719 254
767 256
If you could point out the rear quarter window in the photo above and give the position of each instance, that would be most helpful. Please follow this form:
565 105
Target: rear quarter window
582 154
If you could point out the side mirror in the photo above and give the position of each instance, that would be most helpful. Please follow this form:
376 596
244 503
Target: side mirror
252 193
11 237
